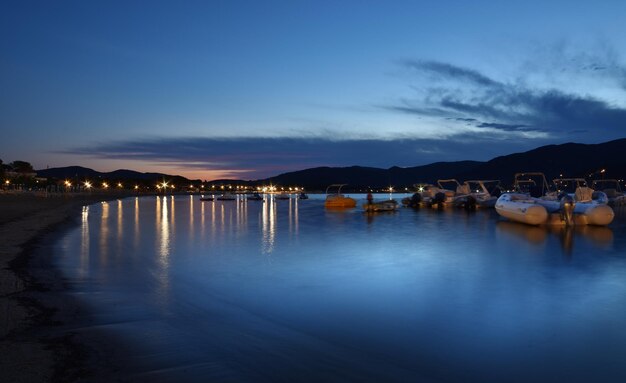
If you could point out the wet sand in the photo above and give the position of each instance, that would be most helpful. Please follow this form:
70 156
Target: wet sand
34 344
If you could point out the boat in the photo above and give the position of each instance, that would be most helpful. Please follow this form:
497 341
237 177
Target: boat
207 198
422 197
338 200
282 196
226 197
534 203
446 193
485 193
303 195
590 206
521 207
523 204
612 189
414 201
255 197
388 205
534 184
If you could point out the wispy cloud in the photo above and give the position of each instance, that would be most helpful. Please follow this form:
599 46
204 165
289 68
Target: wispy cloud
467 96
447 71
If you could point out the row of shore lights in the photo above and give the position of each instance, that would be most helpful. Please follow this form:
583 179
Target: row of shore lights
165 185
105 185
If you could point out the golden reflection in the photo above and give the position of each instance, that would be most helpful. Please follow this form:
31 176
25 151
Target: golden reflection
120 225
241 217
598 235
172 214
268 226
164 247
163 230
104 233
293 215
202 220
84 244
191 217
136 226
213 221
532 234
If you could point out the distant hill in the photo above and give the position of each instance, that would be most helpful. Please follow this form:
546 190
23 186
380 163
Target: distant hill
73 172
358 176
570 159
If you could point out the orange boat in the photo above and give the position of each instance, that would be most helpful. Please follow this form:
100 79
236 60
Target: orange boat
338 200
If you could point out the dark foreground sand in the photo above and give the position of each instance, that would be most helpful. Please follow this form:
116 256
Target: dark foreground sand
33 345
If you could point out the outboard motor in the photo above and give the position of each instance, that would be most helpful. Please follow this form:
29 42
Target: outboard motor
470 203
567 209
416 198
438 199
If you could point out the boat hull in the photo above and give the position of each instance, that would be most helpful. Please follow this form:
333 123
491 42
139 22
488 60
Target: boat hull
520 208
585 213
535 211
381 206
340 202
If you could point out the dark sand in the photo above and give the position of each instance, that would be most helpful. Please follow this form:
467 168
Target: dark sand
35 344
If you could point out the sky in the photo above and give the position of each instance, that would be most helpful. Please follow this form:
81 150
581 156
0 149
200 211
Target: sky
251 89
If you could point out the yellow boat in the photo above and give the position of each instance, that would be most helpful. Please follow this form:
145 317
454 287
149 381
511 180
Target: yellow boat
338 200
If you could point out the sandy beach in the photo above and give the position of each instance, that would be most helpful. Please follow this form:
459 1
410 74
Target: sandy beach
31 306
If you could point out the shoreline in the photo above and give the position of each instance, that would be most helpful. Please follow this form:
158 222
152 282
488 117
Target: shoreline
35 344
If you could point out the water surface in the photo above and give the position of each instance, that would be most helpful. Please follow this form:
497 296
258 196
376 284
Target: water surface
283 291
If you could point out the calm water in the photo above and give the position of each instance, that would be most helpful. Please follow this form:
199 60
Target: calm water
287 291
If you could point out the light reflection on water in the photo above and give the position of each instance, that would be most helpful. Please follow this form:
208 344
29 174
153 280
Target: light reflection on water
286 290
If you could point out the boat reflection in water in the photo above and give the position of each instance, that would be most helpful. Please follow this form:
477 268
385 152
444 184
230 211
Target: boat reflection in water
598 236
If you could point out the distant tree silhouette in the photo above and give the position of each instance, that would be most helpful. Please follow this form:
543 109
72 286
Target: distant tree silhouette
22 167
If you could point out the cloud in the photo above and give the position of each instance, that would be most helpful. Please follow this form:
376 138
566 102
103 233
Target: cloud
469 97
505 127
447 71
259 157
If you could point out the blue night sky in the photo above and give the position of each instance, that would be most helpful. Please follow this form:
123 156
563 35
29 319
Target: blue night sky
249 89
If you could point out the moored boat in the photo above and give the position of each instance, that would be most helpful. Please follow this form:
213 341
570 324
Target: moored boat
484 192
255 197
226 197
388 205
338 200
522 208
590 206
612 189
534 203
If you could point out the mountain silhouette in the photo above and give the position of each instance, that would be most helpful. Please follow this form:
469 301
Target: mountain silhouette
568 160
